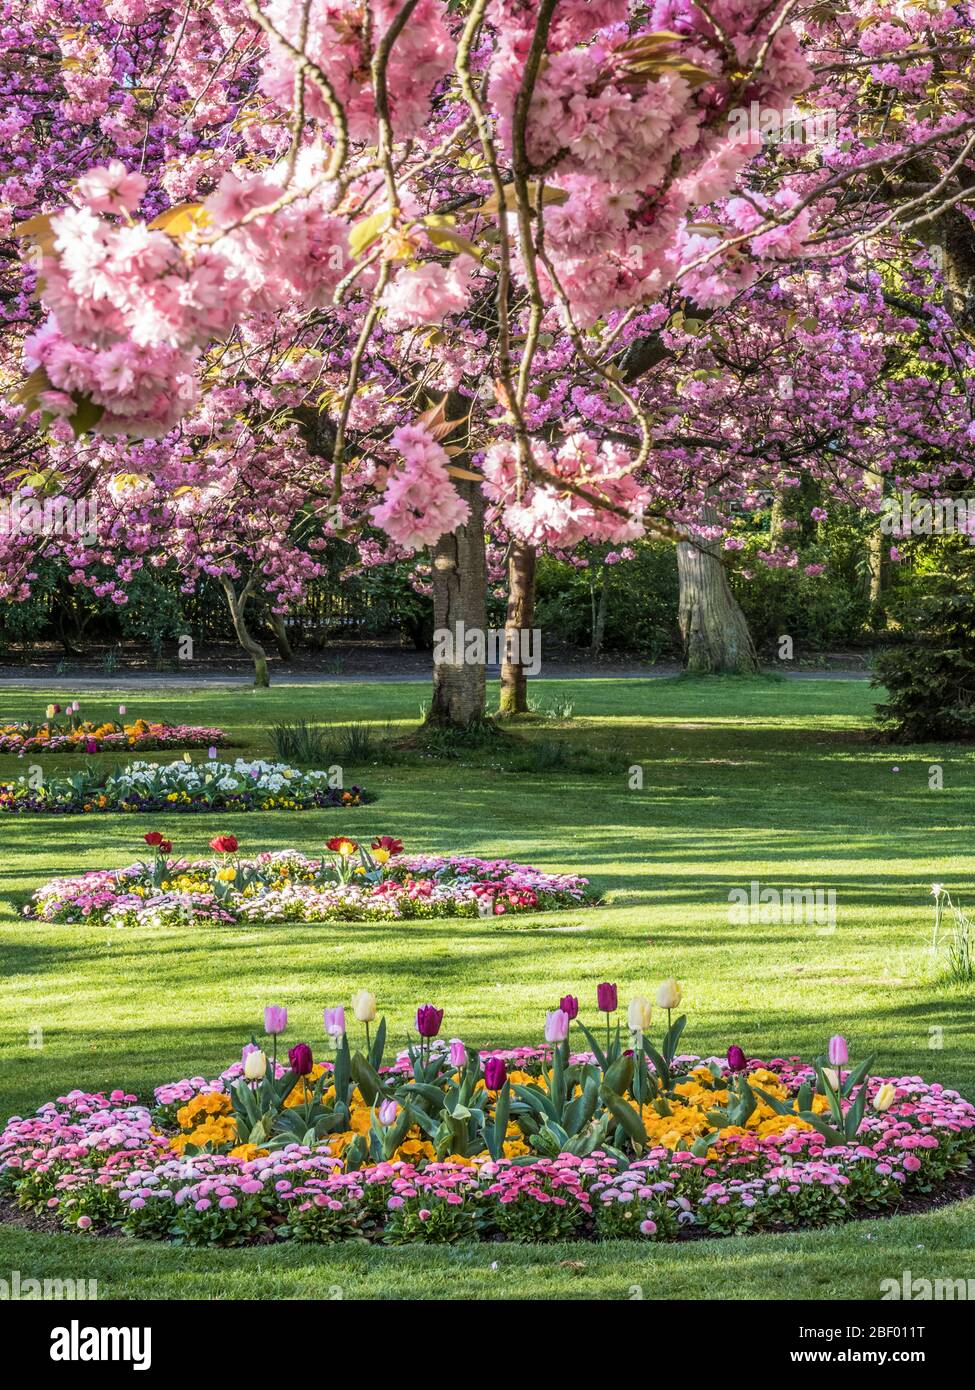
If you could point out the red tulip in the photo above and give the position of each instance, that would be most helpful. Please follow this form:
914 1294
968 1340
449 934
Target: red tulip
153 838
388 843
224 844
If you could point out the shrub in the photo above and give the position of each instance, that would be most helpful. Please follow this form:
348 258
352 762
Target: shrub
930 677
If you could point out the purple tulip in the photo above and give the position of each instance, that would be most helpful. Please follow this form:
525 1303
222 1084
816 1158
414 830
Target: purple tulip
387 1112
91 746
275 1019
606 998
428 1020
335 1021
737 1061
569 1004
839 1053
495 1073
211 752
458 1054
300 1059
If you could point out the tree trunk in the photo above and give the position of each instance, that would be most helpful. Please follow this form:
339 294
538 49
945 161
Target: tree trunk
281 639
715 633
460 609
236 603
599 617
518 619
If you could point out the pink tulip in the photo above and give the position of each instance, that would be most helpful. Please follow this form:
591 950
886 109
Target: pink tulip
556 1026
839 1053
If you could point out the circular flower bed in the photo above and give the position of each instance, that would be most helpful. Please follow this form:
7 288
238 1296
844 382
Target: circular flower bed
67 732
347 883
447 1145
243 785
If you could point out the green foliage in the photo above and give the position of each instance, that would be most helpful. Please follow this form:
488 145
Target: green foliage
930 675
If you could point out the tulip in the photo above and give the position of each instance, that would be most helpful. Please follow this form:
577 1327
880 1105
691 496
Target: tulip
211 752
364 1006
839 1053
255 1065
226 875
300 1059
335 1022
224 844
495 1073
556 1026
165 846
91 746
669 994
606 998
387 1112
458 1054
569 1004
737 1060
121 709
153 837
389 844
428 1020
832 1078
340 844
275 1019
51 711
640 1014
884 1098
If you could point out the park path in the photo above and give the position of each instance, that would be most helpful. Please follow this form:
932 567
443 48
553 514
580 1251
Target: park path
184 681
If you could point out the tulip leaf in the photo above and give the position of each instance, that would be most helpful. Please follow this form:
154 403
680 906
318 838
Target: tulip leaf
627 1118
366 1078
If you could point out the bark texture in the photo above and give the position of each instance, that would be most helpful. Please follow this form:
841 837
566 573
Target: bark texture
519 618
460 607
713 627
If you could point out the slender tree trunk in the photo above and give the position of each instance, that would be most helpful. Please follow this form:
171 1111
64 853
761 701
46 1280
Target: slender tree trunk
599 617
519 618
281 639
715 633
237 603
460 609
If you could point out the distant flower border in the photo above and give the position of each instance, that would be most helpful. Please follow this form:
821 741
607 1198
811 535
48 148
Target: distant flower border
531 1144
185 785
347 882
64 731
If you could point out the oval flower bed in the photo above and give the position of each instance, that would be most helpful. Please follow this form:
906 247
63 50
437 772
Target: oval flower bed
66 732
347 883
243 785
446 1145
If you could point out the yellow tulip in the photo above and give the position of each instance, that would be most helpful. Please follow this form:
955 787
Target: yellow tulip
226 875
640 1014
885 1097
364 1006
255 1065
669 995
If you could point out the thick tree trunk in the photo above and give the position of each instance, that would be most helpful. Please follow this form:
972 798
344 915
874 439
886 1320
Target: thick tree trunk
237 603
460 609
518 619
715 633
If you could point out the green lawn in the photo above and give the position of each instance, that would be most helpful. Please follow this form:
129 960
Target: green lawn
743 780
